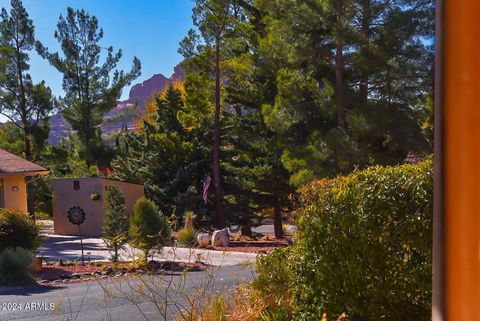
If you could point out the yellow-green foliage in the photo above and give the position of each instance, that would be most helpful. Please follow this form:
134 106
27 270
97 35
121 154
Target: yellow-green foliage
187 236
274 282
364 245
17 229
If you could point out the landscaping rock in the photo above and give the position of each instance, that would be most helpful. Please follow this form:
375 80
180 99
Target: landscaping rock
203 239
75 275
221 238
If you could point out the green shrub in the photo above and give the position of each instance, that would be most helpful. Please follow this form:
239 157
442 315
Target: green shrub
115 224
274 282
148 229
15 265
187 237
364 245
18 229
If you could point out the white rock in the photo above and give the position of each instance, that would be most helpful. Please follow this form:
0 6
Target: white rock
221 238
203 239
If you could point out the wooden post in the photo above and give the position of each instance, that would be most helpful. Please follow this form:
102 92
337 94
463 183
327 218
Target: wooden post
461 160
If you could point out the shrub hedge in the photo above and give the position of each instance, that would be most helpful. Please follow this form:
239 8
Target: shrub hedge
17 229
364 245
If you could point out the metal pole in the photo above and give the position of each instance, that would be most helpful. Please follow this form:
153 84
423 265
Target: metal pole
81 243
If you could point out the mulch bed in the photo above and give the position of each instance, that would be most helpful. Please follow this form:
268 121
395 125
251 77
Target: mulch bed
53 274
253 246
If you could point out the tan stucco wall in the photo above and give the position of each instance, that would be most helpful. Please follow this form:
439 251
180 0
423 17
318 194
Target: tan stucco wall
15 199
65 197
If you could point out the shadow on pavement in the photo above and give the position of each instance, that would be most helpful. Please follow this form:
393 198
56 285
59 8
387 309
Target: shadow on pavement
27 291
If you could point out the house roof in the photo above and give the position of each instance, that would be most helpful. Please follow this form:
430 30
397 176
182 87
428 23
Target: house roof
12 164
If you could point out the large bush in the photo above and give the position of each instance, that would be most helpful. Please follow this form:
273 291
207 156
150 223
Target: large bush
364 245
15 265
18 229
148 229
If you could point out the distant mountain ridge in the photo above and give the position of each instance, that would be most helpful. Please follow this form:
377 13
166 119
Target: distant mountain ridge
120 115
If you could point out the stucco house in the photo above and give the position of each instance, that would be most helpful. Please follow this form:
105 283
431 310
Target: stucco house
15 173
87 195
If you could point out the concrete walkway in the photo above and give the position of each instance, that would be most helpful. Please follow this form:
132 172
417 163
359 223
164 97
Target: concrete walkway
55 247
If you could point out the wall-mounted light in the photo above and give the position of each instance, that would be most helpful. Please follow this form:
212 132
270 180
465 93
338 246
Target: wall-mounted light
14 188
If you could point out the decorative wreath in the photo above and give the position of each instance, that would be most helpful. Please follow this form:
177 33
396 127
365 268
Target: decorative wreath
76 215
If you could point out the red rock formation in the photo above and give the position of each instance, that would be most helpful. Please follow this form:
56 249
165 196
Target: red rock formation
113 121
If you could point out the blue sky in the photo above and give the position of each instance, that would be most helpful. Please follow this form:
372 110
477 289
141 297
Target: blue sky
148 29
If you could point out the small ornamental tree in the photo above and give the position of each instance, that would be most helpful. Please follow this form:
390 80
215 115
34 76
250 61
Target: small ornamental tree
148 229
115 224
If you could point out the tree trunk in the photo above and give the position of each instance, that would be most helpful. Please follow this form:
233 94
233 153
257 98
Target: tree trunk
29 156
246 230
339 68
277 218
217 177
366 19
339 82
115 251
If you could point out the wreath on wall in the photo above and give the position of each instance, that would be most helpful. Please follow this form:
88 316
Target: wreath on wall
76 215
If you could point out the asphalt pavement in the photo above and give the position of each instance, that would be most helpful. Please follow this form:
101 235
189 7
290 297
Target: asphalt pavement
55 247
121 298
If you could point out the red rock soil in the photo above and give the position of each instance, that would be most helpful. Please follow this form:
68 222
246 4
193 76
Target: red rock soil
56 272
265 245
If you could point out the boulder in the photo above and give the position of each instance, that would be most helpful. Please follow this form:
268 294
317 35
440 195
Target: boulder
203 239
221 238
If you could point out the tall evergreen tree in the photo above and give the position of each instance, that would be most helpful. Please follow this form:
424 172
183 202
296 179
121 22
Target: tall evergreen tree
256 179
27 105
352 74
91 88
215 19
170 156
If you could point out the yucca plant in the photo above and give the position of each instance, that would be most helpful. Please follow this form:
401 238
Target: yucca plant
15 266
187 236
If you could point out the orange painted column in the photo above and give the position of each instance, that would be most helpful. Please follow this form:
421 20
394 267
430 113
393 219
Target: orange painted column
461 159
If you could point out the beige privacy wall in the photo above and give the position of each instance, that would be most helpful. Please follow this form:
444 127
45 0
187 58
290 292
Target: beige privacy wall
65 197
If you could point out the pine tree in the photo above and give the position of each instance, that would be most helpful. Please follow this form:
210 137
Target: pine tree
170 155
215 19
92 88
115 224
149 229
257 181
25 104
349 82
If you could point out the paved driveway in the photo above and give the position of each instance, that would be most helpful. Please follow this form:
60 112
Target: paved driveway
119 299
55 247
